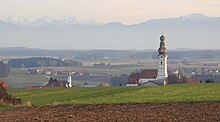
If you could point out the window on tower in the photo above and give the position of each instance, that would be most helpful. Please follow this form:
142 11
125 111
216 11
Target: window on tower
161 62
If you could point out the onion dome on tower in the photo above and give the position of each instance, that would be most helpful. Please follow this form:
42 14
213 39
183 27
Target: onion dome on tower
162 49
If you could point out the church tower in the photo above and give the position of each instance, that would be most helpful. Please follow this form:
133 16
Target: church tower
162 57
69 80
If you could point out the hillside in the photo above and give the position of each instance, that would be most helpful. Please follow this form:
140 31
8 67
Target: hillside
104 95
85 55
170 103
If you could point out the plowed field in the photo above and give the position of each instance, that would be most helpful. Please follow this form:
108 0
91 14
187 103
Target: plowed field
201 111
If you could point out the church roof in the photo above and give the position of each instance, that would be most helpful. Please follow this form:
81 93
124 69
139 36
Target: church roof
149 73
145 74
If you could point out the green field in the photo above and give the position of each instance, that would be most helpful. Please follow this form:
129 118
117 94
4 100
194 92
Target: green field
111 70
121 62
104 95
19 78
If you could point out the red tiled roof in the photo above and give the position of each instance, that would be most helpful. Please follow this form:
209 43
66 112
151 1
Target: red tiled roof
5 85
104 84
192 80
149 73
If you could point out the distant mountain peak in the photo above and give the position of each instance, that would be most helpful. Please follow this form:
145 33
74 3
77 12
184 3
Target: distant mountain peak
19 20
45 20
195 16
66 21
186 31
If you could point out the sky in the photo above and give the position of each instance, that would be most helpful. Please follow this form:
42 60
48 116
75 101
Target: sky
125 11
105 11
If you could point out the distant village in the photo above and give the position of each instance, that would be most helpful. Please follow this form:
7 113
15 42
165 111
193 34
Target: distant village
59 78
167 72
144 77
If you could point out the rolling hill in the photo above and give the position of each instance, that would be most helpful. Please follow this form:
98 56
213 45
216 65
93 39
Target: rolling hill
105 95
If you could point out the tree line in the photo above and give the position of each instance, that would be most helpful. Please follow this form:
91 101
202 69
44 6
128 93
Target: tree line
41 62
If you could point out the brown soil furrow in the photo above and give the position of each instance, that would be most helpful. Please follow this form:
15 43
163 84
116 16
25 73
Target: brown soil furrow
201 111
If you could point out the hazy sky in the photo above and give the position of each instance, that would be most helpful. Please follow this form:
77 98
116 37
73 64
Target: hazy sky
125 11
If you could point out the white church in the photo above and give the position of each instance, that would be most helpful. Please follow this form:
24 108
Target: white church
152 77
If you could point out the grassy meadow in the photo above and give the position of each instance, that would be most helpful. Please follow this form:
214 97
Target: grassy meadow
19 78
110 95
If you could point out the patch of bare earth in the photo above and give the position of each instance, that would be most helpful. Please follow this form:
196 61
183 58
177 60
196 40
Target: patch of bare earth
201 111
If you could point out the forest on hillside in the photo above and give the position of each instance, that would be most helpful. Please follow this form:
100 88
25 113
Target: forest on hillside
41 62
84 55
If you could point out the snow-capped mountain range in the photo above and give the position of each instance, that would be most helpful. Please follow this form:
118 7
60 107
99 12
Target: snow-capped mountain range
194 31
71 20
66 20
